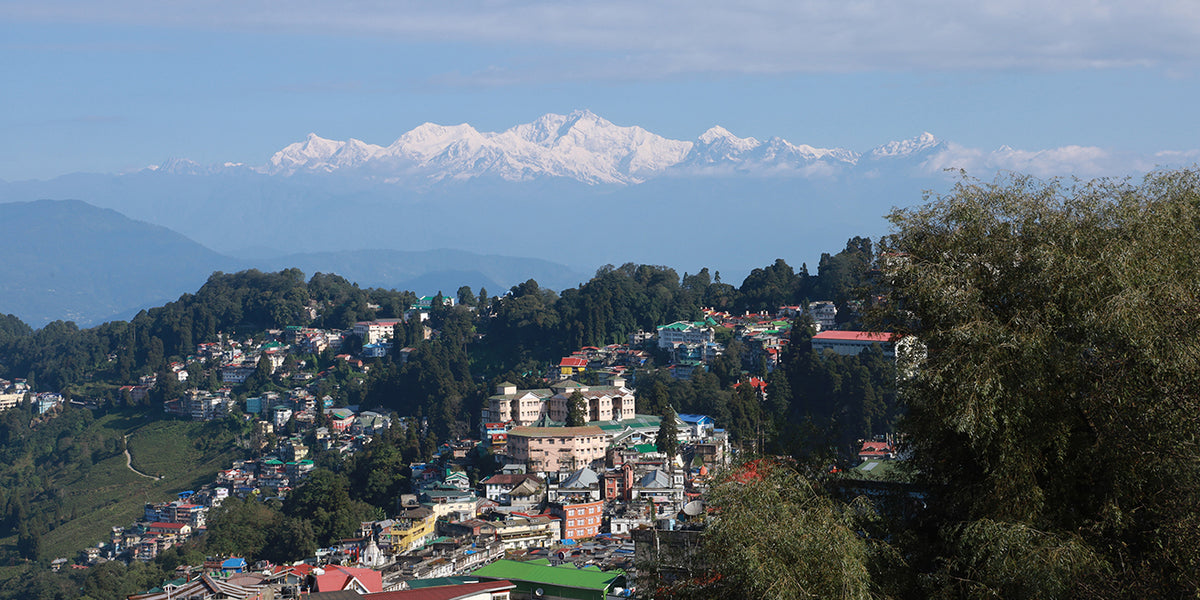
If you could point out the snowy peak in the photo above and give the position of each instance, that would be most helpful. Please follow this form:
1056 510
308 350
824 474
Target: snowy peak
719 148
909 147
580 145
316 153
719 136
430 139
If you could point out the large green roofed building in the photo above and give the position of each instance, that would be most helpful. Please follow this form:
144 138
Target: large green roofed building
566 582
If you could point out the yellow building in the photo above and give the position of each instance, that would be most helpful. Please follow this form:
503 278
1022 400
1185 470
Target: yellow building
411 529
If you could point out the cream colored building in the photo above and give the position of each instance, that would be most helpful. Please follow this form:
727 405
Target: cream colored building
603 403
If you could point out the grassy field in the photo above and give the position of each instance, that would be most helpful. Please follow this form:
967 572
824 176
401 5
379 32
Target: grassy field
185 455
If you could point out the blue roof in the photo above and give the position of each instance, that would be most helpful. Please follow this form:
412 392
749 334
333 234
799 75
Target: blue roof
695 418
234 563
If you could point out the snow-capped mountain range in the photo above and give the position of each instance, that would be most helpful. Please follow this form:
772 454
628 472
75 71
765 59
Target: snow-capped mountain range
580 146
575 189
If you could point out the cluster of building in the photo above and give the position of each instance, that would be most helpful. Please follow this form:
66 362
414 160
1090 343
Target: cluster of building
161 526
692 345
501 580
764 337
569 519
568 502
12 393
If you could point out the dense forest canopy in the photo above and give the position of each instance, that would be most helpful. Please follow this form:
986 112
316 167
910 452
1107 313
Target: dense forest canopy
1056 412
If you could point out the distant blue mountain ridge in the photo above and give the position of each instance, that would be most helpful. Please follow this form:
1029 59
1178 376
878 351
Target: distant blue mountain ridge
70 260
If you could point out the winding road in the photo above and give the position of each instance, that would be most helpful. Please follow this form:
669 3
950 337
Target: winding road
129 461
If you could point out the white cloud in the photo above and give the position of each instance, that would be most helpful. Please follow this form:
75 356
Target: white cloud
753 36
1063 161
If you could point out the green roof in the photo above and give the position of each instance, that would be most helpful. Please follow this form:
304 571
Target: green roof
875 470
643 422
560 576
417 584
677 326
646 448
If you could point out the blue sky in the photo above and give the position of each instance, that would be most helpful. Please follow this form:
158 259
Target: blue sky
118 85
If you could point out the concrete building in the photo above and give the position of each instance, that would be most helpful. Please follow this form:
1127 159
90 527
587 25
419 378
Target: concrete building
579 519
851 343
550 449
372 332
604 403
684 332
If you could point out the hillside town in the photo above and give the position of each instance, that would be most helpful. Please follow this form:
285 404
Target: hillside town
494 515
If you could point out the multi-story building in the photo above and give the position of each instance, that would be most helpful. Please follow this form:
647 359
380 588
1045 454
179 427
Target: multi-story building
604 403
618 483
408 531
203 406
550 449
572 365
664 489
237 372
8 401
519 533
579 519
581 486
280 415
851 343
824 314
501 486
372 332
684 332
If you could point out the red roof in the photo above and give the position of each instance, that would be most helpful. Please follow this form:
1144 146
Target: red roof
338 578
754 381
445 592
300 569
880 449
573 362
855 336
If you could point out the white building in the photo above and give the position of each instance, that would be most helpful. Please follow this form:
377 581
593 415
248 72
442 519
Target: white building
372 332
684 332
824 314
851 343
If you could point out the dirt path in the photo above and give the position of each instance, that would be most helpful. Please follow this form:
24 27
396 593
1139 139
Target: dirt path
129 462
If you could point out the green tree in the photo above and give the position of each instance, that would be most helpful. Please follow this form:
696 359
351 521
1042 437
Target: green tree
242 527
1055 409
261 377
576 409
466 297
775 535
667 440
324 500
653 398
29 542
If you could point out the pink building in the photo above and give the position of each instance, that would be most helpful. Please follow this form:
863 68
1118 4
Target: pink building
548 449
